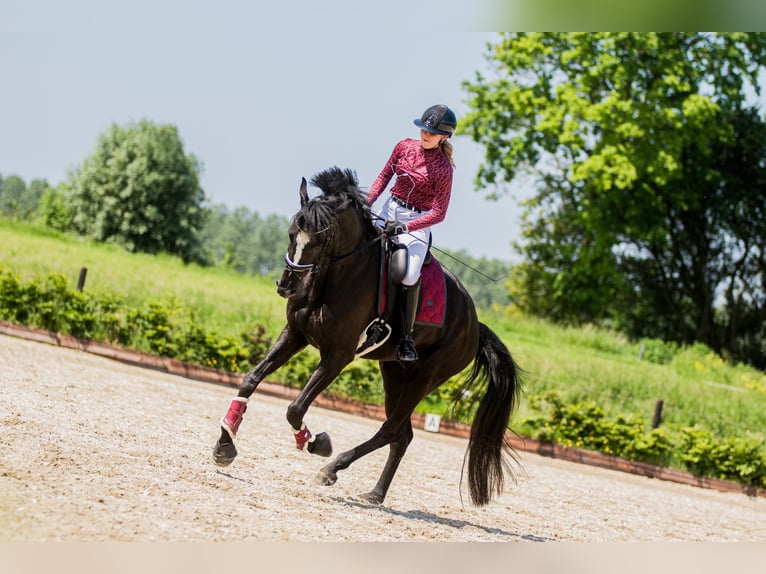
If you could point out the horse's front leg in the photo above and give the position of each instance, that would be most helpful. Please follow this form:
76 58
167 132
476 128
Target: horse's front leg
287 345
329 367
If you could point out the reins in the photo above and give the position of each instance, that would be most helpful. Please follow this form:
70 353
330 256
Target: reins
434 247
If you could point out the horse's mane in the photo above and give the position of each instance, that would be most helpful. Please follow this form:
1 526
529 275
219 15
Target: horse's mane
339 187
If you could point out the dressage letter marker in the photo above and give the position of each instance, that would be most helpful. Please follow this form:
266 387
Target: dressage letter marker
432 423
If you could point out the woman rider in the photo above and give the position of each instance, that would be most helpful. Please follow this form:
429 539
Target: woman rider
419 199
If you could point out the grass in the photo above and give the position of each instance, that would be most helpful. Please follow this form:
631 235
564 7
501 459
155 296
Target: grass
591 365
221 298
582 364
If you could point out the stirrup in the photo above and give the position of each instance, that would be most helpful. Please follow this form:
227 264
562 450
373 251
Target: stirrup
374 336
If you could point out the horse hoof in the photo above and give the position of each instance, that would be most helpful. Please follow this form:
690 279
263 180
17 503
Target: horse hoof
327 477
321 445
371 498
224 454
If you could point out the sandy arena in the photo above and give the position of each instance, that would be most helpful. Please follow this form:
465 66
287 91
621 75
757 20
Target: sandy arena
97 450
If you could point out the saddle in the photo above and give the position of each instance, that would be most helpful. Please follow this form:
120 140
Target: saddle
393 268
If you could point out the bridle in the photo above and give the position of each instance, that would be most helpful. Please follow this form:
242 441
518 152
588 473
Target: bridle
299 268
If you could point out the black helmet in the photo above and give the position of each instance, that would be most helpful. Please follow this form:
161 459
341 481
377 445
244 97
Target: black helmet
438 119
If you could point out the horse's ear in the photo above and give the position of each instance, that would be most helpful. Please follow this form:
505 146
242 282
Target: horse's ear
304 192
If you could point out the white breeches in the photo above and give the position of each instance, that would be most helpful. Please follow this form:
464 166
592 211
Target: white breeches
416 241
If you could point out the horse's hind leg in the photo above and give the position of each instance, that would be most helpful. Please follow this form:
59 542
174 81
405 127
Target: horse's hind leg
398 435
329 474
395 455
403 393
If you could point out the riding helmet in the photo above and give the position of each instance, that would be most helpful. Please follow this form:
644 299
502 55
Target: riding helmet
438 119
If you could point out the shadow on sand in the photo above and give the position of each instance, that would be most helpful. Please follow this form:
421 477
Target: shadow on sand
420 515
434 519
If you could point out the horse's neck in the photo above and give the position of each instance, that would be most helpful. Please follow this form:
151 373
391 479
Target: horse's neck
343 287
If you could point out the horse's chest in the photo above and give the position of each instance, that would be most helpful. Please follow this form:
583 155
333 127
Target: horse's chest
310 322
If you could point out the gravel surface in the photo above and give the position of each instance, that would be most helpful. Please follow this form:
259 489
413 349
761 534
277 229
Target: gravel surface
97 450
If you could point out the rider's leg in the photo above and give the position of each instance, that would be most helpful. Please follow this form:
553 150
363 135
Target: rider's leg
417 243
416 253
406 352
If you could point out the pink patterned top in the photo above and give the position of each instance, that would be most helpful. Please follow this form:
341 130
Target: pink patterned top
423 180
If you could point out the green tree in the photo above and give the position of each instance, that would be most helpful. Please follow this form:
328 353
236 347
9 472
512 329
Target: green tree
645 213
483 278
19 200
141 190
272 242
12 190
244 240
30 203
53 210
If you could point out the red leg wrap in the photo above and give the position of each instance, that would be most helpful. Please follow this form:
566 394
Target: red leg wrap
302 437
234 416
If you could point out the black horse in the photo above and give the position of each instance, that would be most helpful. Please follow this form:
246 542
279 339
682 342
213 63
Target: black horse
331 284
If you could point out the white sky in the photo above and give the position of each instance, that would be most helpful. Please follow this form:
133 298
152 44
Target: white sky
262 94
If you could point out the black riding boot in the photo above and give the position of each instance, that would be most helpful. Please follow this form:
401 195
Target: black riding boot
406 352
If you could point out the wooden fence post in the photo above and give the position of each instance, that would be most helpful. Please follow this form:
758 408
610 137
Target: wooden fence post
657 414
81 280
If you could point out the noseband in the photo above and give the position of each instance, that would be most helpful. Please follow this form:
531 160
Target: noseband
298 267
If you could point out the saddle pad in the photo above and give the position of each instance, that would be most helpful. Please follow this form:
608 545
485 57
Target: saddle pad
433 295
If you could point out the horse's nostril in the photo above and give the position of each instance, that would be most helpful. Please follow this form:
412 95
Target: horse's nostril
286 293
285 288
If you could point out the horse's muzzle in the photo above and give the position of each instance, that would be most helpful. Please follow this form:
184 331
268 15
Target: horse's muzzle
285 288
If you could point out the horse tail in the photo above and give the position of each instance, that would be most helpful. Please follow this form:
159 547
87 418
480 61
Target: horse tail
489 451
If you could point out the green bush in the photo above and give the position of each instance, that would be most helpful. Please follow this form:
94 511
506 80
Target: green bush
738 459
584 425
47 304
658 351
152 328
160 327
360 380
654 447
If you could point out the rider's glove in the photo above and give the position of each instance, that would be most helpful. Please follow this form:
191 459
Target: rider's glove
394 228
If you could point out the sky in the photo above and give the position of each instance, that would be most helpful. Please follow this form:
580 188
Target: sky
262 94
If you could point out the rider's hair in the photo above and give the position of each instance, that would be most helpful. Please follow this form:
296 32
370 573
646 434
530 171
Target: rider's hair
447 149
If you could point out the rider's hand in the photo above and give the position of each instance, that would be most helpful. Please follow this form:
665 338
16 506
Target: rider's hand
394 228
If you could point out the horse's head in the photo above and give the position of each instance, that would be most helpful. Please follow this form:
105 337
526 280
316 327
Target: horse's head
325 229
